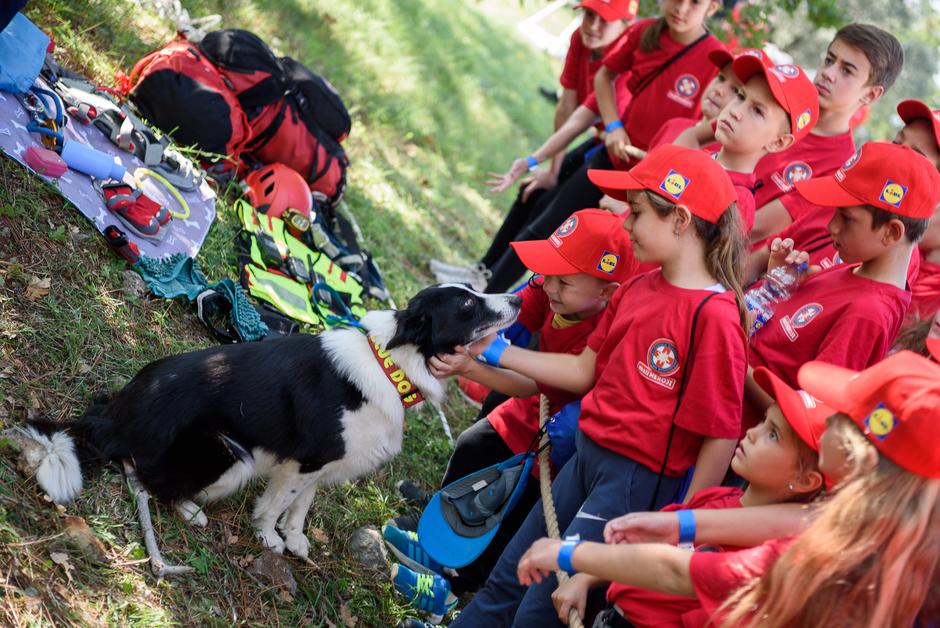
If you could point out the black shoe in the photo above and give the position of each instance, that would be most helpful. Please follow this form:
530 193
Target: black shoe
405 522
413 494
549 93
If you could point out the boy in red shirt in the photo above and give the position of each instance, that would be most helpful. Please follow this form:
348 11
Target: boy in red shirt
849 315
921 131
861 64
779 461
581 266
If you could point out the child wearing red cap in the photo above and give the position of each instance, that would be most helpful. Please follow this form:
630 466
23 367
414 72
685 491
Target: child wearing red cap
850 315
861 64
663 371
580 267
779 461
603 23
869 558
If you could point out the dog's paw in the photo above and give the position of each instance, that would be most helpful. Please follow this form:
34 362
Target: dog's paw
272 541
192 513
298 545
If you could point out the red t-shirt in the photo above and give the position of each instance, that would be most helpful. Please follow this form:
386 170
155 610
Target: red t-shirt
925 291
650 608
580 68
812 156
675 92
716 576
810 233
670 130
836 317
517 419
641 343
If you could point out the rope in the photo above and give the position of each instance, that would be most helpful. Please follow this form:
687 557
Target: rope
548 504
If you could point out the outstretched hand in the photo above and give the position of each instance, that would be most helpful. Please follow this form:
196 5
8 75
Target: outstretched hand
501 182
460 362
539 561
643 527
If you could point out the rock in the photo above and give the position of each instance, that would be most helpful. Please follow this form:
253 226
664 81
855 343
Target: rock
274 570
367 547
77 532
134 285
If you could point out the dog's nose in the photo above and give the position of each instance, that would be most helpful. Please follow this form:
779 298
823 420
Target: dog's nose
515 300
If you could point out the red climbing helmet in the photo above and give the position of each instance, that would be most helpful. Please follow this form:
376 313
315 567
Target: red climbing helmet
276 188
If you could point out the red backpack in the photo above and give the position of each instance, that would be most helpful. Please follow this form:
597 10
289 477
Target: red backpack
296 116
177 89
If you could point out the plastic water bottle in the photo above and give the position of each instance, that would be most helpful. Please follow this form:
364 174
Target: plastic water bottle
778 285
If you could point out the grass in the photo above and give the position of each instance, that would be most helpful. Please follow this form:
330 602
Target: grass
440 93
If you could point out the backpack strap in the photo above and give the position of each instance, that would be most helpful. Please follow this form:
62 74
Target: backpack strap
683 381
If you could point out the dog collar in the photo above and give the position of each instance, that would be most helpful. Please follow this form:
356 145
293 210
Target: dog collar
407 392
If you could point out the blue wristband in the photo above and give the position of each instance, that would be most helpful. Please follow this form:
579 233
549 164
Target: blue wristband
564 555
494 352
532 161
686 527
616 124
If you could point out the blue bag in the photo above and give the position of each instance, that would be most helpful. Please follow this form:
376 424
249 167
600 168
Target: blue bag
22 51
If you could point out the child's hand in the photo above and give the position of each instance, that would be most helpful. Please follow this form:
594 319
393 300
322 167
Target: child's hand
480 345
460 362
541 179
617 142
613 205
539 561
571 595
782 253
502 182
643 527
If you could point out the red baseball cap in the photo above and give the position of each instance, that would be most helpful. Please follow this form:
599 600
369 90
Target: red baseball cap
590 241
791 87
680 175
721 57
887 176
933 346
611 10
911 110
896 403
805 414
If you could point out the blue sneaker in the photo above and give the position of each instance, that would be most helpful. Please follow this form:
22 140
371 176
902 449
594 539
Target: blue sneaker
406 546
426 592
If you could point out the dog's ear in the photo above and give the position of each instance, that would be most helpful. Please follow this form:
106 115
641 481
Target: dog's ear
413 325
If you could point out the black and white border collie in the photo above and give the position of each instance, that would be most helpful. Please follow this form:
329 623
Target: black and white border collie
302 411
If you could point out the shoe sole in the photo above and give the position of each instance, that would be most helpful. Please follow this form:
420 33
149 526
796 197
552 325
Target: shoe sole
410 563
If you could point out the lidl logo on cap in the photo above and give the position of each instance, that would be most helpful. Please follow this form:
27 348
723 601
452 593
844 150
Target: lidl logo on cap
608 263
805 118
881 421
674 184
893 193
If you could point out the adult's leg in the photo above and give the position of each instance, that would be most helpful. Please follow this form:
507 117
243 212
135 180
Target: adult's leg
496 603
522 213
616 485
577 193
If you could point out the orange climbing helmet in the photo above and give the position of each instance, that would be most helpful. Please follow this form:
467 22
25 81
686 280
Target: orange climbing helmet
275 188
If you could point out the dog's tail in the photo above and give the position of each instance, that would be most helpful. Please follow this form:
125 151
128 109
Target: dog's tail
59 452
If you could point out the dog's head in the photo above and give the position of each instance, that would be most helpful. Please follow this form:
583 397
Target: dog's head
441 317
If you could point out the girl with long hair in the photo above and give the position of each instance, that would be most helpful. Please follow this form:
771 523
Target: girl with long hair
870 557
663 372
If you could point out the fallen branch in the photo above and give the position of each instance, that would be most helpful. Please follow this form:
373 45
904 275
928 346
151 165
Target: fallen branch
159 566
